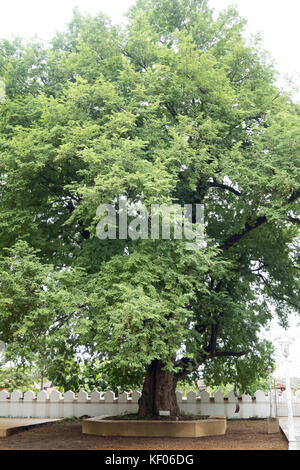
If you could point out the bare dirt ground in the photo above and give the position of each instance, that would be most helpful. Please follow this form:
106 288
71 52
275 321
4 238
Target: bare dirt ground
66 435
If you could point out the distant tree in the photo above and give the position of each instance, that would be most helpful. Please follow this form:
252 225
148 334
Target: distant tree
18 378
247 375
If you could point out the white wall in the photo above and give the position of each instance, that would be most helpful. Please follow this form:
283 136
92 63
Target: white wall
19 405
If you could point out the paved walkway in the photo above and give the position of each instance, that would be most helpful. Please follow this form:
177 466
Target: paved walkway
10 425
283 423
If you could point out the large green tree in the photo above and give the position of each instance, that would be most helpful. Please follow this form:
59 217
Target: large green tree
176 107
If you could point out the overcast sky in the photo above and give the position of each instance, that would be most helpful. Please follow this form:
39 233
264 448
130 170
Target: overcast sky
277 21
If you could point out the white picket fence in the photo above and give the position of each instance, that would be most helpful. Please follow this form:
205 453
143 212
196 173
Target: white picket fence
30 405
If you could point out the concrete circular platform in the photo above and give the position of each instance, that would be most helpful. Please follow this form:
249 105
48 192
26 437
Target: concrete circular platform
100 426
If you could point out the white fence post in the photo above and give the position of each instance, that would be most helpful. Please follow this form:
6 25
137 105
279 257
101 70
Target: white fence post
42 405
96 404
15 404
29 408
110 401
69 404
246 407
205 408
219 404
4 404
55 402
191 402
231 403
134 401
262 404
123 403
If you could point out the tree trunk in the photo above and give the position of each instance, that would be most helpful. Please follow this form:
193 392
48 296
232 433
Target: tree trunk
159 391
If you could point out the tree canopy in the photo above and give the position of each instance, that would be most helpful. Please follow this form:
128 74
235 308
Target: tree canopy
176 107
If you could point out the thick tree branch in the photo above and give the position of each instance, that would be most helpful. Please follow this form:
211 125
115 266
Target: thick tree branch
171 110
230 354
262 266
230 241
295 195
294 220
215 184
276 296
189 366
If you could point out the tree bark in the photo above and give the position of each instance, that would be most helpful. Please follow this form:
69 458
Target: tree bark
159 391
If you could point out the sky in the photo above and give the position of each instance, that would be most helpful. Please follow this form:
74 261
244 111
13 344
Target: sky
277 21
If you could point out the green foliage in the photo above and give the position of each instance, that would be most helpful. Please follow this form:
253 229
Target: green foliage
248 374
40 307
177 107
18 378
87 374
185 387
250 389
225 389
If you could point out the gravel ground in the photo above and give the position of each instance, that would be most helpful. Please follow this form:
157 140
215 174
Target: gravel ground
66 435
